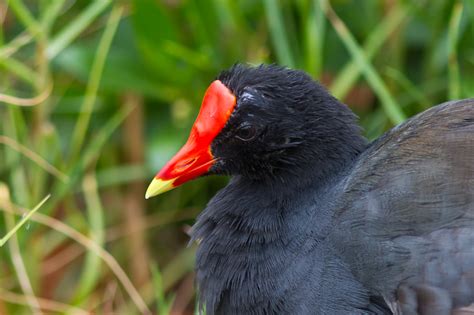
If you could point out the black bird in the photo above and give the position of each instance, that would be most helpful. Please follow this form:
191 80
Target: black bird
316 220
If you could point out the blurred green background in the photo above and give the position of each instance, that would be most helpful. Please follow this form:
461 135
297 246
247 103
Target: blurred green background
95 96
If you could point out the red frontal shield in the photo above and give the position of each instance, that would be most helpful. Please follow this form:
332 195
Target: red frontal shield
195 157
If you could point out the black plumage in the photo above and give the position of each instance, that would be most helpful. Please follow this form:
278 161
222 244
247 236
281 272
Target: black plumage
315 220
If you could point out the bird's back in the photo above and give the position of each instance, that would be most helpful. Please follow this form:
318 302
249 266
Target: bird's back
409 205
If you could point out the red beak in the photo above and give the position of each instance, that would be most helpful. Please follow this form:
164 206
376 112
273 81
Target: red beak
195 157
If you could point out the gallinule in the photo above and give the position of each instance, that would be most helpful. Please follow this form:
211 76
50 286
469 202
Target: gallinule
316 220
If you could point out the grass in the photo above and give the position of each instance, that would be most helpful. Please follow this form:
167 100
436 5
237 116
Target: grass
278 32
391 107
93 82
453 38
95 96
4 197
350 73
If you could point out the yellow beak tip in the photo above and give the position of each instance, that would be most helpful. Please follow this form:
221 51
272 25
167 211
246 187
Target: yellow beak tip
158 186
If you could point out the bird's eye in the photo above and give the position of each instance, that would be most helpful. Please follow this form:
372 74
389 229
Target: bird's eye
246 133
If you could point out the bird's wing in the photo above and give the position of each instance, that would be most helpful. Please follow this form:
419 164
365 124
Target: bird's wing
409 202
464 310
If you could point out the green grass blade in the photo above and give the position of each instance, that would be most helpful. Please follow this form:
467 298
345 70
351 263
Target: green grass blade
278 33
14 45
15 252
25 218
453 65
70 32
90 97
24 15
314 32
320 31
390 106
92 263
51 13
90 154
195 58
15 129
121 175
349 74
19 69
90 245
409 87
163 304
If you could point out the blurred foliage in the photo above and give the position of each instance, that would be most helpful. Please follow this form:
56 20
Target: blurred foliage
95 96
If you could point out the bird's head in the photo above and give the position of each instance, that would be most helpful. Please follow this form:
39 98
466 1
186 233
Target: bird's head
261 123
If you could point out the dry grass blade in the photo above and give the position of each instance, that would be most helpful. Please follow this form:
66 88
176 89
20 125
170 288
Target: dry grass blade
134 204
99 251
61 259
34 157
45 304
3 12
113 234
27 102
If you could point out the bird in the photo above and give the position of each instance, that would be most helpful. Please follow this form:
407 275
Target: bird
315 219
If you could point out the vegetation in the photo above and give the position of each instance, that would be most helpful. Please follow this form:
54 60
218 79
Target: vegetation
95 96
